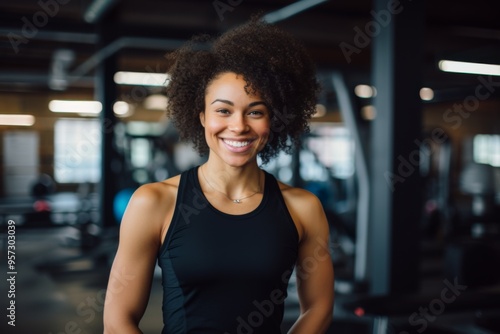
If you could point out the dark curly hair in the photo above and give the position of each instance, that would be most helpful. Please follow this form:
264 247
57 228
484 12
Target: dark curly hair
271 62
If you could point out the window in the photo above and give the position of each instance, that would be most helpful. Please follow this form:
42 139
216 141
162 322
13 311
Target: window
328 149
333 147
140 152
486 149
20 161
77 151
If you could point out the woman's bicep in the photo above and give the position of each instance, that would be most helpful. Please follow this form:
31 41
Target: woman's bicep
314 265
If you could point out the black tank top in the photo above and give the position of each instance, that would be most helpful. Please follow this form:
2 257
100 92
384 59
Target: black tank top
222 273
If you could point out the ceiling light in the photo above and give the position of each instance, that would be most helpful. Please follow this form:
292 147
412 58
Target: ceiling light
141 79
426 93
365 91
84 107
468 68
122 109
320 111
17 120
368 112
156 102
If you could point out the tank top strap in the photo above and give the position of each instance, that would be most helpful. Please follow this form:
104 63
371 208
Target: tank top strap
181 193
277 199
273 188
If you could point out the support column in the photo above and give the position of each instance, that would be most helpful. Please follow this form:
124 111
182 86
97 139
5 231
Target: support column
395 201
106 93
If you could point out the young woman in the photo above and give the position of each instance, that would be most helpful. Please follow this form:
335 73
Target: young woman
227 235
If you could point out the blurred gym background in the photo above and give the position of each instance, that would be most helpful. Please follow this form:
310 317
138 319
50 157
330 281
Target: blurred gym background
404 152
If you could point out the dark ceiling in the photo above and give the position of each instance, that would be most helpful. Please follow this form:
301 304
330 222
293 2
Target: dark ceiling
31 31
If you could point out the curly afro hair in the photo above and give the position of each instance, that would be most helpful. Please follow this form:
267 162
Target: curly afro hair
271 62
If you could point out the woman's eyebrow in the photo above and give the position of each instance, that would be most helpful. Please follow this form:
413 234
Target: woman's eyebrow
252 104
223 101
256 103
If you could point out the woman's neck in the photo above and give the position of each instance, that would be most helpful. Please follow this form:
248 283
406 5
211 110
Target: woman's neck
235 182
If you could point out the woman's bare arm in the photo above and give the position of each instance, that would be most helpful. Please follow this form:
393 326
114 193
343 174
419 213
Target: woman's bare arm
132 271
314 268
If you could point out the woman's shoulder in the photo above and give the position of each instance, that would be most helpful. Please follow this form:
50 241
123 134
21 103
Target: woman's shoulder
152 202
299 195
304 207
157 192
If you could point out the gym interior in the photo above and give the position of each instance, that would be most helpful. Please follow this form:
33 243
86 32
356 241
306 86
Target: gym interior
403 152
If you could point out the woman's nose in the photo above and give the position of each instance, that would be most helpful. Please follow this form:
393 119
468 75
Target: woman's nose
238 123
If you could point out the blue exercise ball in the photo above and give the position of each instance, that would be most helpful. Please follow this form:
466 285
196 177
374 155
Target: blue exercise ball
120 202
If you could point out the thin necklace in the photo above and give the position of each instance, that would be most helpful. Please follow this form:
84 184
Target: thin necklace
235 200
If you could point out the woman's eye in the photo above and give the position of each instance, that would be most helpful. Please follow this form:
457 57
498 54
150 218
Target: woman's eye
223 111
256 113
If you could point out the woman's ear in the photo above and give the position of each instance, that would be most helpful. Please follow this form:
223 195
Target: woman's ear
202 118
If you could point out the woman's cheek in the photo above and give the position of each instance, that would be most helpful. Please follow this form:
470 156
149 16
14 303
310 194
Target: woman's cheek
265 139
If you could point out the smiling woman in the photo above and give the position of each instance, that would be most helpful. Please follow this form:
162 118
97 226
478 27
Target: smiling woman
272 64
227 235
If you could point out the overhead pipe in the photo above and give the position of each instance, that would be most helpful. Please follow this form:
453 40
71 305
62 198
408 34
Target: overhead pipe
169 44
97 9
290 10
55 36
121 43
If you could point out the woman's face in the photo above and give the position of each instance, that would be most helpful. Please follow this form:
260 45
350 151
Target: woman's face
237 124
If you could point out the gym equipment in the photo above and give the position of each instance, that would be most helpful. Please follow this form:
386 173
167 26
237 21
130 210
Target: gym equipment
120 202
478 181
473 261
43 186
435 169
381 308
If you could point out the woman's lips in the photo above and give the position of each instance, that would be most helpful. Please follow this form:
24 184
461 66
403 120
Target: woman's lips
237 146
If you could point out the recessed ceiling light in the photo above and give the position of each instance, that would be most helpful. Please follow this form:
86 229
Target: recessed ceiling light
468 67
17 120
365 91
368 112
141 78
79 107
156 102
320 111
426 93
122 109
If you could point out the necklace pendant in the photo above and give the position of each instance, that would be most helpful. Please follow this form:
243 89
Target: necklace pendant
237 201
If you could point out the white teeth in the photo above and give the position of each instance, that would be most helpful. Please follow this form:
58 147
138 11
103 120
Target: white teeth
236 143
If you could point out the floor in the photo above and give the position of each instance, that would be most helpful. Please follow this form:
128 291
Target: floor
69 300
